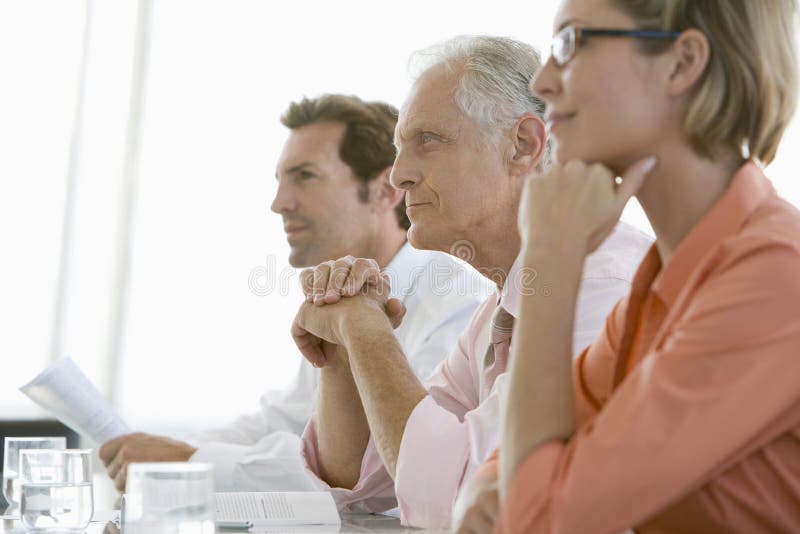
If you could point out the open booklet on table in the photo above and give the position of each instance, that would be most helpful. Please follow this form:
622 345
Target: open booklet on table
259 510
273 509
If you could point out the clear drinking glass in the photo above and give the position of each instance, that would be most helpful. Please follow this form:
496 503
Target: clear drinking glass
11 462
56 489
169 498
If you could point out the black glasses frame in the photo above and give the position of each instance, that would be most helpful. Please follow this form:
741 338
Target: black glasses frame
576 35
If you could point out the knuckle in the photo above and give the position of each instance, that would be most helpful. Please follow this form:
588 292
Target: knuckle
307 276
340 267
600 170
362 264
322 269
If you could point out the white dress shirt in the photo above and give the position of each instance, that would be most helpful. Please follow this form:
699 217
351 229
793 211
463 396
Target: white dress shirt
261 451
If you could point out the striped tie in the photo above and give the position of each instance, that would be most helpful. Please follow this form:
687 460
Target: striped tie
496 359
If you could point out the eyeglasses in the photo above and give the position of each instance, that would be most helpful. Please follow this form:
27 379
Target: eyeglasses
566 42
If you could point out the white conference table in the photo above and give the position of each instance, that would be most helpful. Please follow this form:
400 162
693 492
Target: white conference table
351 523
105 498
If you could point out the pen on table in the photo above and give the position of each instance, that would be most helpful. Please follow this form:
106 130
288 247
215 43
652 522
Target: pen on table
234 525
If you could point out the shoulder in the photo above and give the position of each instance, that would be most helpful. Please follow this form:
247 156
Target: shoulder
438 290
774 225
427 273
763 256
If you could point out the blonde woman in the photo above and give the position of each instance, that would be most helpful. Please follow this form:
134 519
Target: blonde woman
684 415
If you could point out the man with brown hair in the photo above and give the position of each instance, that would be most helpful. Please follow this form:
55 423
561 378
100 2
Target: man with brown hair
335 199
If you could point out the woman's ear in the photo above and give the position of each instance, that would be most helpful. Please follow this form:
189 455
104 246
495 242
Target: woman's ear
529 139
691 53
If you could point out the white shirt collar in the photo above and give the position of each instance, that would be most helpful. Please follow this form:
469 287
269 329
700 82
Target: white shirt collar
509 296
404 271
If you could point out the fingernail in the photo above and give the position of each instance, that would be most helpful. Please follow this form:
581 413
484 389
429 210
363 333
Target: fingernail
648 164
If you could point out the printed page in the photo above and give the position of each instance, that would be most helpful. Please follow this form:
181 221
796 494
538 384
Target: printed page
266 509
63 390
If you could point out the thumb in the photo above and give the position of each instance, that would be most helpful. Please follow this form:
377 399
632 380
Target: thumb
308 345
395 310
634 177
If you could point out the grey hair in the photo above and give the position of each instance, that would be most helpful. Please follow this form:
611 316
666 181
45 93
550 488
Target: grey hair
495 75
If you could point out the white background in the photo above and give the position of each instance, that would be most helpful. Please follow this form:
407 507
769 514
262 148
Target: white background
170 327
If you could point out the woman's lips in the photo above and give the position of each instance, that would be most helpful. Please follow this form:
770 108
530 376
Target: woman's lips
554 119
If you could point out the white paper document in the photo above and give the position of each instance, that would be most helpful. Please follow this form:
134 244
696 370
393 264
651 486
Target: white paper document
275 509
63 390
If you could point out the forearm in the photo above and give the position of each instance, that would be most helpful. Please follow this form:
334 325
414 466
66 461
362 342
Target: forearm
540 401
388 387
342 429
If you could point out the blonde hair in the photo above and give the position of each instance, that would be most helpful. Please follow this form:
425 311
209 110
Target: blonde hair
748 93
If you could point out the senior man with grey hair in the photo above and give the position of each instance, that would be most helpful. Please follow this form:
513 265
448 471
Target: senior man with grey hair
469 135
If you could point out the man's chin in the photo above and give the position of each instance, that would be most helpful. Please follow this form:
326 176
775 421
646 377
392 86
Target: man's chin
298 259
420 239
302 258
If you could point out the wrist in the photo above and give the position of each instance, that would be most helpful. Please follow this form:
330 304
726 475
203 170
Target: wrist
536 248
367 324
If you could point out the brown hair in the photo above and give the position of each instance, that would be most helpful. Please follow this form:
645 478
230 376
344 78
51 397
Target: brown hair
367 145
748 93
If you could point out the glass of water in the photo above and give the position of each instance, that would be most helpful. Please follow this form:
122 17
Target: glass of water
169 498
56 489
11 462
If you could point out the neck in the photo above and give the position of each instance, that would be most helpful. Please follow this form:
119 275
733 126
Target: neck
386 246
493 250
680 191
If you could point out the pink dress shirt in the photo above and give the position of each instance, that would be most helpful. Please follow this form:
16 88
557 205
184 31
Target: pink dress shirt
456 427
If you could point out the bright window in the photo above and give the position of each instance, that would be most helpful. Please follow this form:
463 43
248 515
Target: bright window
40 55
175 294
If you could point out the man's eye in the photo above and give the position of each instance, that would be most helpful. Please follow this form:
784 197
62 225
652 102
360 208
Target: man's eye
426 138
305 175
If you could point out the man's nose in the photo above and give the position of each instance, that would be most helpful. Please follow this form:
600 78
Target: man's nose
405 174
284 200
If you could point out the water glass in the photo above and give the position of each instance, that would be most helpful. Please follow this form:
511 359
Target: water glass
56 489
11 462
169 498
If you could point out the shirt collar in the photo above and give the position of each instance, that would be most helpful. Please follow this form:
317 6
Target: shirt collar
404 270
509 296
747 190
403 259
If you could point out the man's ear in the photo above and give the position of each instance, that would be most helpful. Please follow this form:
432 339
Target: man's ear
382 194
529 138
689 57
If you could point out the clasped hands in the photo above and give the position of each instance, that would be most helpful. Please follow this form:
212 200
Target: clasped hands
342 295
